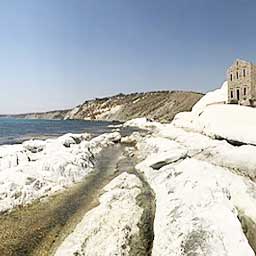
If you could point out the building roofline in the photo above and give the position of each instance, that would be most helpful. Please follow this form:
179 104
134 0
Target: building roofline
240 60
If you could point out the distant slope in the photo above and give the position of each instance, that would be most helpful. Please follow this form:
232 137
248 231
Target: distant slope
57 114
160 105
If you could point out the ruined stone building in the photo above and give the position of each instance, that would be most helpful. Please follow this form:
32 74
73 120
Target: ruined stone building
241 77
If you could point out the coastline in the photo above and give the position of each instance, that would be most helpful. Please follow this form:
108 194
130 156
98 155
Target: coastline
123 107
16 131
201 190
89 181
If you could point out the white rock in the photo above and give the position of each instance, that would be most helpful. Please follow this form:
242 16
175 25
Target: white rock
34 145
214 97
197 202
142 123
38 168
232 122
131 139
109 228
71 138
97 143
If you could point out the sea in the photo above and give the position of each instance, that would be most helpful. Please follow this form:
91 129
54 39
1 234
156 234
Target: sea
18 130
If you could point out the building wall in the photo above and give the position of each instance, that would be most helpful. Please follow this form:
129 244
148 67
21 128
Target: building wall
253 81
241 82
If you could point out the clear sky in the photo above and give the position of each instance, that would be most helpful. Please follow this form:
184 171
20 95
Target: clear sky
55 54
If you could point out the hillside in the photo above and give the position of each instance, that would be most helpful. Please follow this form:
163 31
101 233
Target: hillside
56 114
160 105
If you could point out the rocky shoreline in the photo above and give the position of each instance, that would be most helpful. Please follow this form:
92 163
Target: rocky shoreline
109 188
198 203
174 189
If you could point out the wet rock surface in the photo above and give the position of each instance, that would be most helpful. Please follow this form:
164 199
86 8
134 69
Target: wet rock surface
36 169
33 229
249 228
39 228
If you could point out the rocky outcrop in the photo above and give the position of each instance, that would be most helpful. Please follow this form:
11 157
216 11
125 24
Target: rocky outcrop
161 106
204 187
37 168
203 205
113 226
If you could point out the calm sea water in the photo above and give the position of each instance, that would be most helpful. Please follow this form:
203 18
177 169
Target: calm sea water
18 130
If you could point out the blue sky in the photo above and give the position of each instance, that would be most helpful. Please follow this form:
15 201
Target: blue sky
55 54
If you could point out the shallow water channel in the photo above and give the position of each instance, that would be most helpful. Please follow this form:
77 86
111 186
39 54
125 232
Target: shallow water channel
39 228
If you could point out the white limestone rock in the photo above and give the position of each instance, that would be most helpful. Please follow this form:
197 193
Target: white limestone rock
12 155
131 139
196 202
109 228
97 143
70 138
37 168
231 122
142 123
34 146
213 97
240 159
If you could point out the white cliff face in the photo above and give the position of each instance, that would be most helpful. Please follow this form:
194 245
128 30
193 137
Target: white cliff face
124 107
109 228
71 113
38 168
231 122
218 96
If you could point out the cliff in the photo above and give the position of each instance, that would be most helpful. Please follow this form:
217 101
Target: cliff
160 105
56 114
